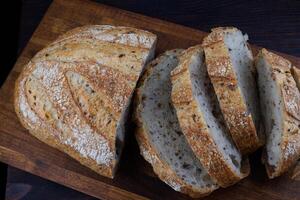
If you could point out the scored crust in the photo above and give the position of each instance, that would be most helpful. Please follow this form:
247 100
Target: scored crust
220 69
290 138
193 125
147 149
74 96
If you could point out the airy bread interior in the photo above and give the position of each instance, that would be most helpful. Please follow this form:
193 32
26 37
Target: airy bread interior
271 109
164 132
208 105
242 60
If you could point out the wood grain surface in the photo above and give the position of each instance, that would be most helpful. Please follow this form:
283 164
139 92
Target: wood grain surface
135 179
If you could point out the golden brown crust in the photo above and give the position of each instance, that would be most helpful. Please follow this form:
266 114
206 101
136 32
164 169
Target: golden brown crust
77 98
149 152
194 127
217 34
118 55
290 143
41 131
127 36
219 65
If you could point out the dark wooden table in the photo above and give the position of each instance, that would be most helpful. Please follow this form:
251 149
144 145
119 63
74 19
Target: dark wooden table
272 24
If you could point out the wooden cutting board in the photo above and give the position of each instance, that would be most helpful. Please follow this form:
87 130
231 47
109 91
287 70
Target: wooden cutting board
135 178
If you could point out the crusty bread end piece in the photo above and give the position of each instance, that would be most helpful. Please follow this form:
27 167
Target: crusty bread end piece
280 106
230 67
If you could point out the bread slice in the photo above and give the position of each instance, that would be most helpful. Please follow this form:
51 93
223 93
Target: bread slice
230 67
74 94
201 121
159 136
280 106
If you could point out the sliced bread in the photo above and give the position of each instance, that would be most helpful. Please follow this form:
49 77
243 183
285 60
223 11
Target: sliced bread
280 106
230 67
200 120
159 136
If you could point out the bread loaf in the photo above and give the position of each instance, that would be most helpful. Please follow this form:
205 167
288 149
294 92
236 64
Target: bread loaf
229 63
74 94
280 106
201 121
159 135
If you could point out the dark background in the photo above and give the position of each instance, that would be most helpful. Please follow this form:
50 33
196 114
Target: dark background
272 24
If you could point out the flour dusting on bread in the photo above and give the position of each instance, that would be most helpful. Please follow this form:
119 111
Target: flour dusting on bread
75 94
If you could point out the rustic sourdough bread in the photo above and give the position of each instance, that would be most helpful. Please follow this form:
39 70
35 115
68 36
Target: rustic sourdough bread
159 136
74 94
280 106
230 67
201 121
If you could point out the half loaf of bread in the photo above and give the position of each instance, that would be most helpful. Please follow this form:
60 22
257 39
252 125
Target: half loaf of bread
74 94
